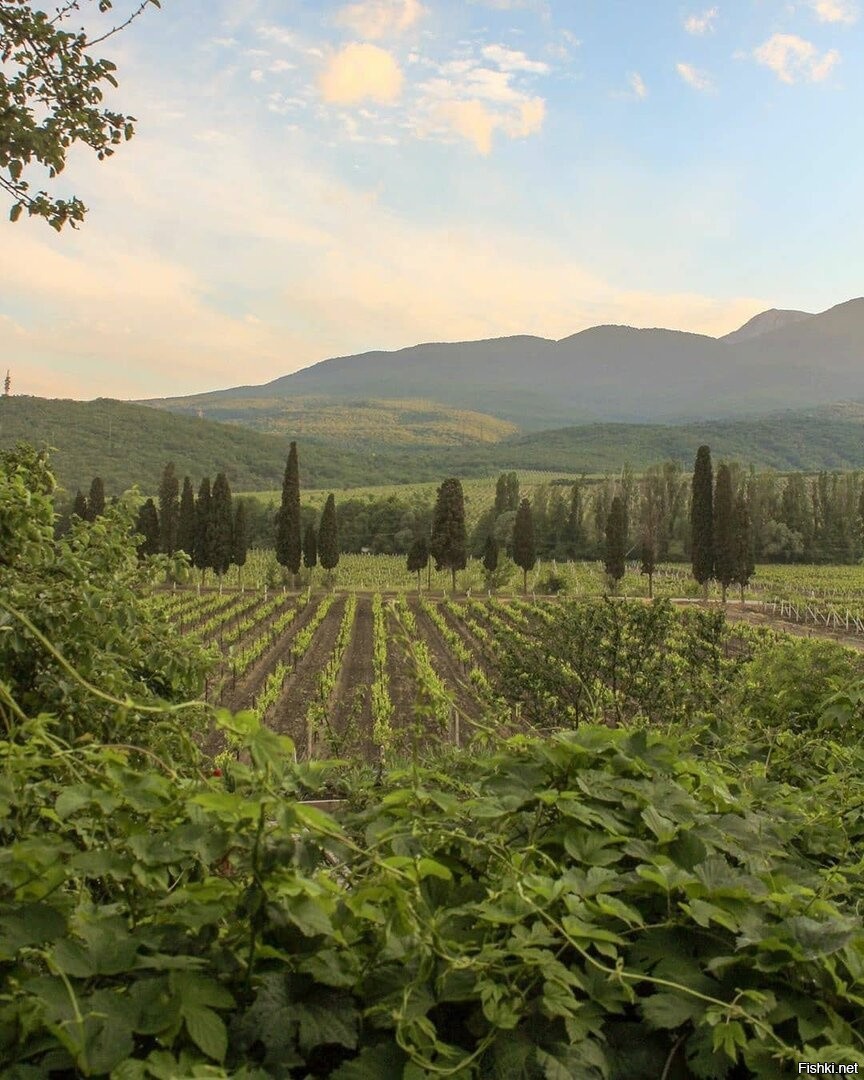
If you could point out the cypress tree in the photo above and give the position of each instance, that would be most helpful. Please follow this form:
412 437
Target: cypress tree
310 547
222 519
524 553
186 519
202 555
328 536
418 557
169 509
649 530
79 506
490 554
289 547
506 493
616 541
239 539
448 544
575 530
702 519
96 499
148 527
744 561
725 556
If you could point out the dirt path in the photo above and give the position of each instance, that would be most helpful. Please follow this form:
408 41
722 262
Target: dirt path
289 713
352 705
449 669
400 674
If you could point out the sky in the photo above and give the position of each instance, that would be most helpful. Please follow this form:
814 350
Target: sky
311 178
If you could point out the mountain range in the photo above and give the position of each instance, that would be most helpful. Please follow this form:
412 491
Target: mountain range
778 360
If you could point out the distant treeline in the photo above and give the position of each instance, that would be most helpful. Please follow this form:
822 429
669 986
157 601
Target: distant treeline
796 518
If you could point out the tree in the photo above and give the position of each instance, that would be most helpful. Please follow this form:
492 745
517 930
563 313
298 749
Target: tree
328 536
169 509
506 493
616 541
239 538
148 527
490 554
448 544
744 561
702 519
222 520
186 519
7 384
288 539
79 506
96 499
649 528
724 529
310 547
50 98
524 552
574 533
202 554
418 557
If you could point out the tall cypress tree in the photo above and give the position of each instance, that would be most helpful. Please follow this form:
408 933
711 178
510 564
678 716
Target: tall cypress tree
649 529
239 537
289 546
490 554
418 557
148 527
328 536
524 551
575 530
79 506
616 541
310 547
186 519
96 499
222 519
702 519
744 561
724 529
448 544
169 509
202 555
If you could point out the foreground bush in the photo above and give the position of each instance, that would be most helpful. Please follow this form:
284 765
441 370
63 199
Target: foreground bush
591 905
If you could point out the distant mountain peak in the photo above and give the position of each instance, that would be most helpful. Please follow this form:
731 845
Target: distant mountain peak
765 323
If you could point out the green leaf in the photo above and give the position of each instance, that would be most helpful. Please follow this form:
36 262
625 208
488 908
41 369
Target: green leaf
207 1031
15 212
668 1010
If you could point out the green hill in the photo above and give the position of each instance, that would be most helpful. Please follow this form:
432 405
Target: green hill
129 444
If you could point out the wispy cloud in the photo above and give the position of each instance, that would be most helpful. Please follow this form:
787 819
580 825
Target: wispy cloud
513 60
361 72
699 80
703 23
374 19
637 85
792 59
835 11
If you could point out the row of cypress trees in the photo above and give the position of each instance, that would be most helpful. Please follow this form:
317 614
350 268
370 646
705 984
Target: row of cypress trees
722 543
209 528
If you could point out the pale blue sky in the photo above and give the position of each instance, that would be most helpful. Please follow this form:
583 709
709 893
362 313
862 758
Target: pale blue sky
312 179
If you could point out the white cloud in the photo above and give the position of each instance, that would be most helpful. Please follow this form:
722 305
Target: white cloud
699 80
513 60
257 75
792 59
279 34
835 11
637 85
374 19
701 24
360 72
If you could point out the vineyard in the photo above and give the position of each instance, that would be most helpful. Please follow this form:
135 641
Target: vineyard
375 678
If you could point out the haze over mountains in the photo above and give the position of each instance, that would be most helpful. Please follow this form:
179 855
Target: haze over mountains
777 360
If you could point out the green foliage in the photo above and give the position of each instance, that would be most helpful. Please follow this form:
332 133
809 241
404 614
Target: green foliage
418 557
288 539
222 525
448 544
724 526
310 547
148 528
96 499
202 554
186 519
328 536
524 550
616 540
490 554
702 518
169 509
51 92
